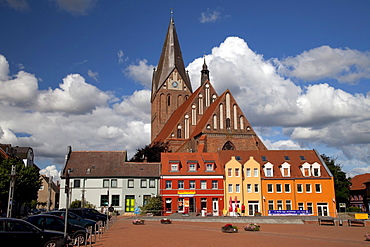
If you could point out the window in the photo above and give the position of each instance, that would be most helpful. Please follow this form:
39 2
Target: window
300 206
151 183
203 184
113 183
237 188
255 172
192 167
115 200
308 188
146 199
192 184
236 172
316 172
174 167
288 205
279 204
103 200
264 158
105 183
287 188
306 172
305 169
168 184
302 157
249 188
269 188
229 172
168 205
278 188
299 188
180 203
256 188
76 183
268 172
209 167
180 184
286 158
143 183
285 169
248 172
285 172
310 207
230 187
271 205
318 188
214 184
130 183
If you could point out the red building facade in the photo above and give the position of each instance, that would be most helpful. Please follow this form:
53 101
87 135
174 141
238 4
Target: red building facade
192 182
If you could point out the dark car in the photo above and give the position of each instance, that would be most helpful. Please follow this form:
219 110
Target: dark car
16 232
74 218
89 213
55 223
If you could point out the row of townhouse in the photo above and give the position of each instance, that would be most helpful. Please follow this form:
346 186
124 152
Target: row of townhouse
272 182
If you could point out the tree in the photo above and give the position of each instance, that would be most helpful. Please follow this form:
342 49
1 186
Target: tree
151 152
341 182
153 205
27 184
77 204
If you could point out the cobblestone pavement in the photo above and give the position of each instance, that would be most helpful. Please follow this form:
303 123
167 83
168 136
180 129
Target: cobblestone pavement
184 233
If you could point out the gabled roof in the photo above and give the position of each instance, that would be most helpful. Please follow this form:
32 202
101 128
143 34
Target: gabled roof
277 158
171 58
359 180
108 164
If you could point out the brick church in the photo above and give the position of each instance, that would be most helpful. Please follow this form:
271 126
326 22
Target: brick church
194 121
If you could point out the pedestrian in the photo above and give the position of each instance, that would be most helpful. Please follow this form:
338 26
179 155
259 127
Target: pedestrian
110 210
243 210
104 210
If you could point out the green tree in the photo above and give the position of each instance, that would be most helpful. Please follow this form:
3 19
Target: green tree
151 152
341 182
27 184
153 205
78 204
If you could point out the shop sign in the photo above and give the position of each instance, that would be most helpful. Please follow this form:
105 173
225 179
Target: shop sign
186 193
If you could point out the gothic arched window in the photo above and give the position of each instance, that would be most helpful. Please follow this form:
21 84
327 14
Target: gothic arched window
228 146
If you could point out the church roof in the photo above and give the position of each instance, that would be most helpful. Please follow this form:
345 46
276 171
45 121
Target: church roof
171 58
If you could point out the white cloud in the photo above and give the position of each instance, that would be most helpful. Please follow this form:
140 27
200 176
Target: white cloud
76 7
93 75
141 73
74 96
209 16
344 65
120 55
20 5
136 105
51 171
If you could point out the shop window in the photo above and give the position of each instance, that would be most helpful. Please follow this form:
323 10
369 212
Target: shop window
168 205
180 205
271 205
279 204
310 207
300 206
288 205
203 203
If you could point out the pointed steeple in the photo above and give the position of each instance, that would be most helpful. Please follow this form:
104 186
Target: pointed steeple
171 58
204 73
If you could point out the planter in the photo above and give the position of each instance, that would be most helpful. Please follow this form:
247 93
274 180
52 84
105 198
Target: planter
252 227
257 214
138 222
229 229
166 221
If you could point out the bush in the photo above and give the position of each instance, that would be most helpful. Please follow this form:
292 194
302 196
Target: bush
154 206
78 204
353 209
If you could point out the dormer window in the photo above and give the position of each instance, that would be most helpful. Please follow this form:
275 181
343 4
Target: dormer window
192 167
174 167
209 167
316 169
285 169
268 169
305 169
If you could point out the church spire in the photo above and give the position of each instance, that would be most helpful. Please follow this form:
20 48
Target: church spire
204 73
171 59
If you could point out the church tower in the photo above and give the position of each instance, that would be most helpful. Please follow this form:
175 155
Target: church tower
170 83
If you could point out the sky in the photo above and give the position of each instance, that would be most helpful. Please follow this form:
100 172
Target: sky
78 72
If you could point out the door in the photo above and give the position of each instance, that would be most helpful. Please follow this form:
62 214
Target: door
253 207
322 209
130 203
215 206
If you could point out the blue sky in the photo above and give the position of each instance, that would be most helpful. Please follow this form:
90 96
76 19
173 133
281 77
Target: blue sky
78 72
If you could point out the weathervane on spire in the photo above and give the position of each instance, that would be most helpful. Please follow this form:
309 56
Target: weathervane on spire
171 14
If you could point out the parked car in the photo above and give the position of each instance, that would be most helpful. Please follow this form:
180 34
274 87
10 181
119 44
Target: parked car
89 213
16 232
55 223
74 218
